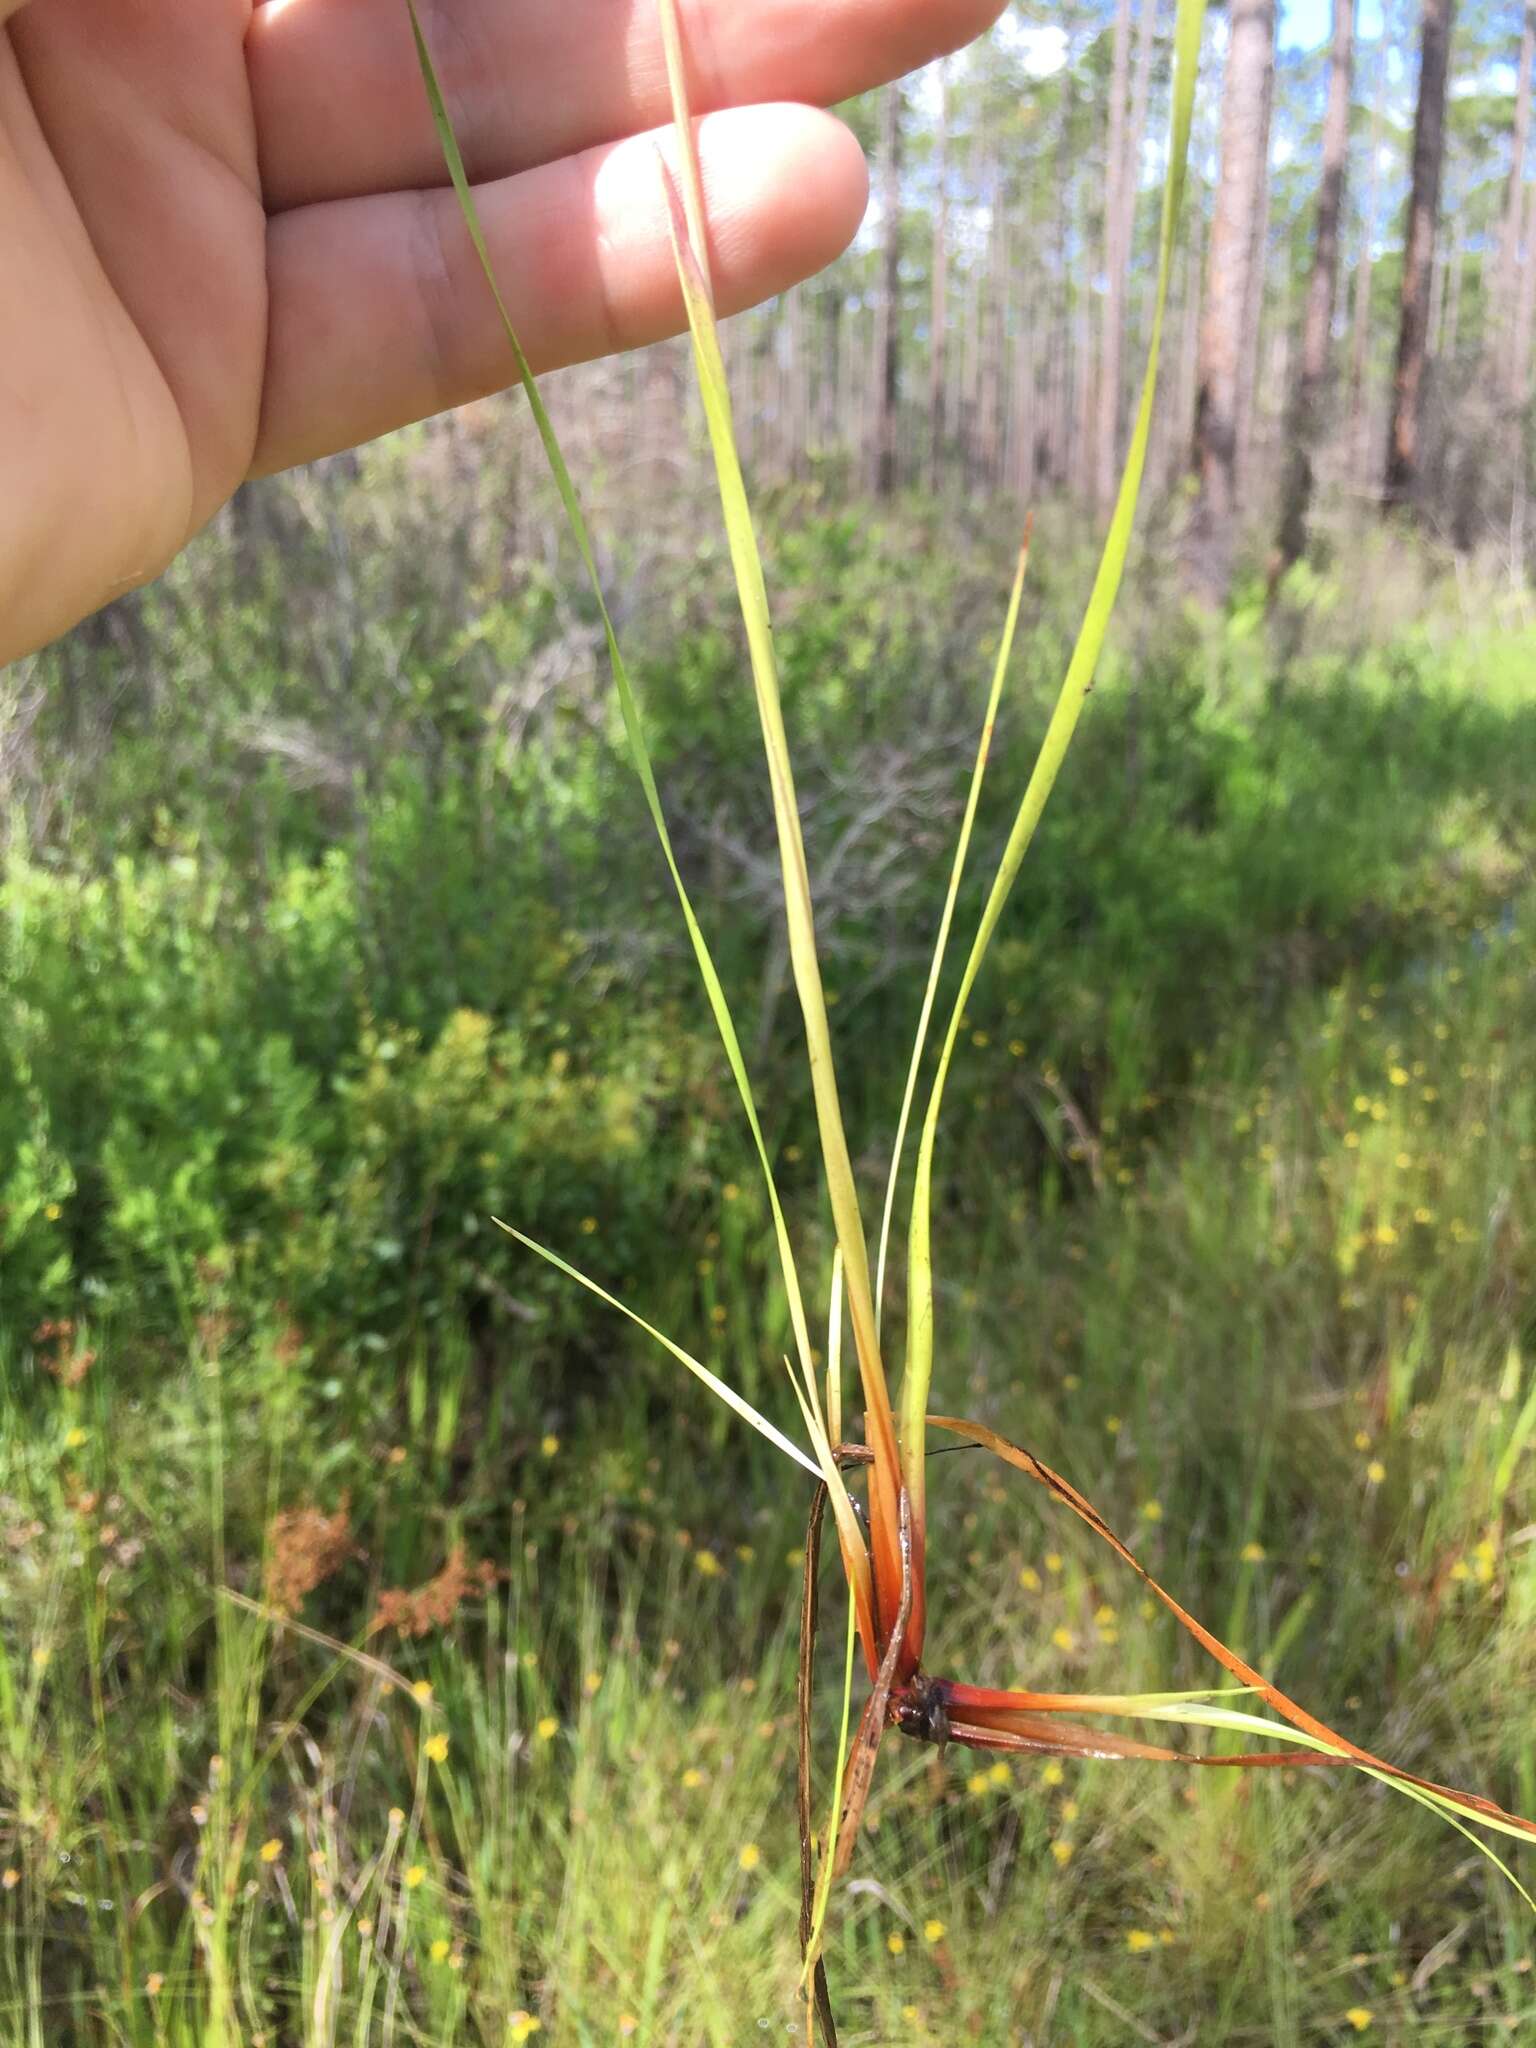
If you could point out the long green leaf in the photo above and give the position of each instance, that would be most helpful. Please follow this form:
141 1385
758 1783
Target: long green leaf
691 252
628 706
1069 704
715 1384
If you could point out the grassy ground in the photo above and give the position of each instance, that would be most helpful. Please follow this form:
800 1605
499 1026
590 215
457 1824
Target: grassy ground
1247 1252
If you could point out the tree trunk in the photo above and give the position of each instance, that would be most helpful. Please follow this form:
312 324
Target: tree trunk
1305 422
888 345
939 310
1507 276
1360 318
1419 254
1525 309
1228 298
1126 129
1117 178
1253 302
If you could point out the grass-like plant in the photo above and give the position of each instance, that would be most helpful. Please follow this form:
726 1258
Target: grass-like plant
884 1544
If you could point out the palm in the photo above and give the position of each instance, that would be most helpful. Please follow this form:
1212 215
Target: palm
231 247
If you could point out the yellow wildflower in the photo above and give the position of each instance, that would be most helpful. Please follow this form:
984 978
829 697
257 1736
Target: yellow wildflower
1062 1851
1359 2017
750 1856
1029 1579
414 1877
1375 1472
1140 1942
270 1850
549 1445
933 1931
896 1944
439 1949
548 1728
437 1748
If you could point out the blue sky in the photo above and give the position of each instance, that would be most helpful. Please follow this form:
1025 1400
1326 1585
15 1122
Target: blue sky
1306 23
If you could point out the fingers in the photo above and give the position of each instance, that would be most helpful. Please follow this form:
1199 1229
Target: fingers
380 314
341 113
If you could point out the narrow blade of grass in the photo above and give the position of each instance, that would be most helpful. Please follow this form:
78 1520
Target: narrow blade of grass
918 1375
691 252
634 733
717 1386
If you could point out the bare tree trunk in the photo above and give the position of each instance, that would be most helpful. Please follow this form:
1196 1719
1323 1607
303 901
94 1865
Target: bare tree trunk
1419 254
1360 318
1525 309
1228 298
1305 422
939 311
888 346
1117 178
1507 276
1253 302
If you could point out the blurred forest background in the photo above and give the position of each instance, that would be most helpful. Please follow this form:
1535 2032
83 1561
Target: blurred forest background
392 1647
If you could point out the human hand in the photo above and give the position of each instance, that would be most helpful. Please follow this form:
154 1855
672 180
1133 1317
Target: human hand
229 244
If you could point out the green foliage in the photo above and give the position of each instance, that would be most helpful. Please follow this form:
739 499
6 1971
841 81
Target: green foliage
1234 1217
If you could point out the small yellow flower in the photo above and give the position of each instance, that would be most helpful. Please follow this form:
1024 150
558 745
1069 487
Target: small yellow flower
1062 1851
1359 2017
1375 1472
522 2026
421 1691
896 1944
1104 1617
1053 1561
53 1212
415 1877
629 2026
1252 1553
1113 1424
1461 1569
1069 1810
154 1983
1424 1216
1062 1638
592 1683
976 1784
397 1818
1362 1441
1052 1774
730 1191
549 1446
745 1552
1385 1234
10 1877
1029 1579
692 1779
1151 1511
270 1850
548 1728
934 1931
709 1565
911 2014
1000 1774
750 1856
1351 1140
437 1748
439 1949
1140 1942
1165 1936
73 1439
588 1225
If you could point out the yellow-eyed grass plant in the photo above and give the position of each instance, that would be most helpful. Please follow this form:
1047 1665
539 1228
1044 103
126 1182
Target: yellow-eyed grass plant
886 1574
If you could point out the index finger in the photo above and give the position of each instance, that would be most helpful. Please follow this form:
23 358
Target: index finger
341 114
